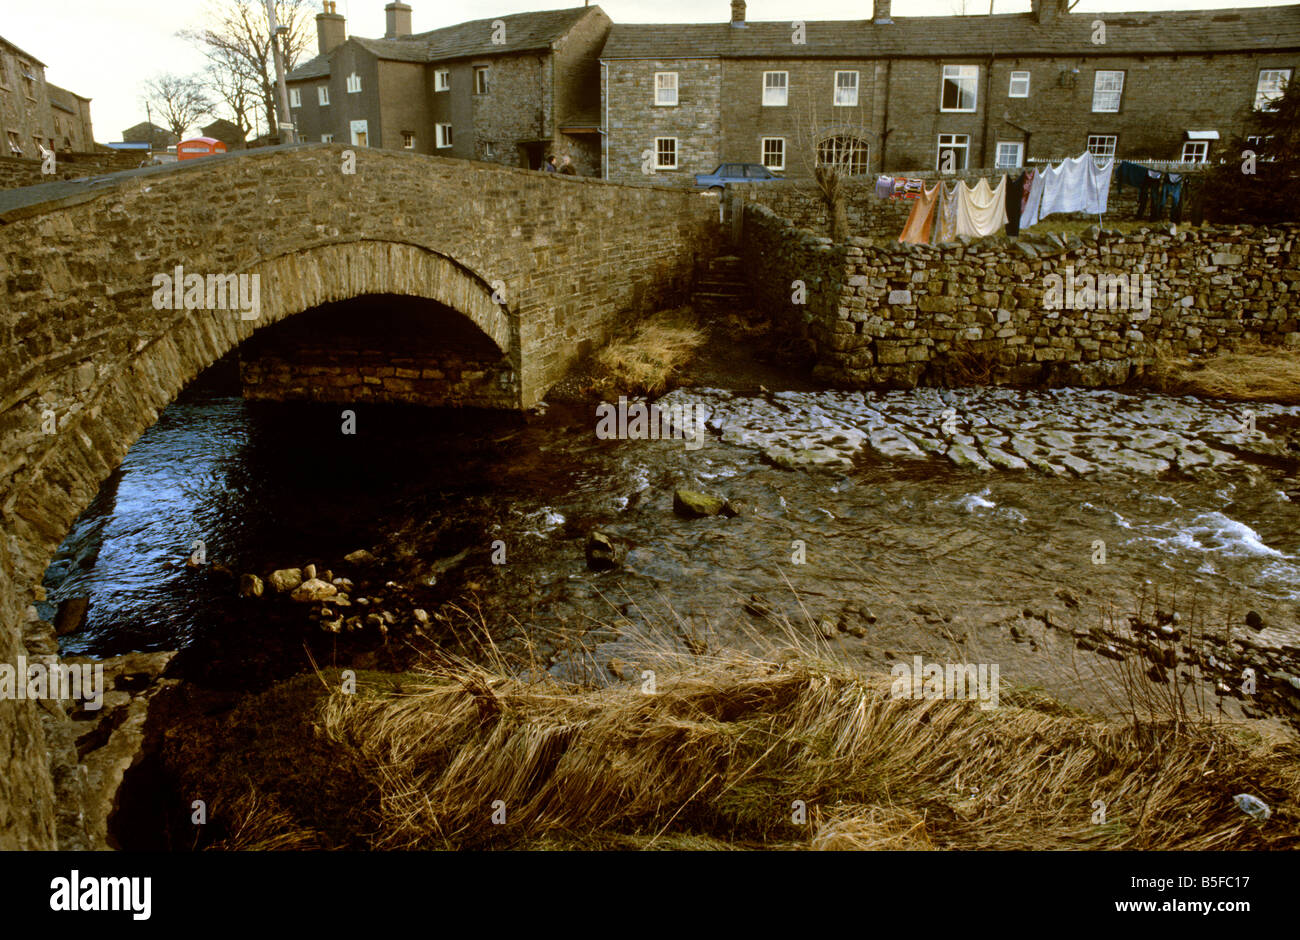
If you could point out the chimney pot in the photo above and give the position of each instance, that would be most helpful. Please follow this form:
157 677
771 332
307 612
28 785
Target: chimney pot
399 20
737 12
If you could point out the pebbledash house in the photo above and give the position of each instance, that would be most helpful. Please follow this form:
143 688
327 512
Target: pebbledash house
659 103
897 93
509 90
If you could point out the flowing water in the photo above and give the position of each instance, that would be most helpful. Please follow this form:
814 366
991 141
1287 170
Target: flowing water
882 559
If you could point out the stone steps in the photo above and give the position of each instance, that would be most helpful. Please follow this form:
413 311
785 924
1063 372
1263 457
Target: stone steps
721 288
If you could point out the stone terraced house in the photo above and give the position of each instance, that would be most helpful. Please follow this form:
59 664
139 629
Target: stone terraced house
505 90
36 113
898 94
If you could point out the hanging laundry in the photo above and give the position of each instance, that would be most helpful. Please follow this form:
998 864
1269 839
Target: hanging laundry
919 223
1171 195
981 210
945 227
1148 189
1033 201
1131 174
1024 197
1075 185
1015 199
884 187
913 189
900 186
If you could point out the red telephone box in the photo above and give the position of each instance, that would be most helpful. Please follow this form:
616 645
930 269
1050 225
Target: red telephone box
199 147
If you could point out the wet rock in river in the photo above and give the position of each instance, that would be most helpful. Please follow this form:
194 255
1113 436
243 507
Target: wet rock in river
693 505
285 579
1254 620
71 616
601 553
360 557
250 585
313 590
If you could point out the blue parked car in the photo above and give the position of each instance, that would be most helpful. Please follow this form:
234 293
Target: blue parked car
734 173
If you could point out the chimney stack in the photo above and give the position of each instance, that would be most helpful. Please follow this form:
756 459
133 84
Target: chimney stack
738 13
399 20
881 11
331 29
1046 11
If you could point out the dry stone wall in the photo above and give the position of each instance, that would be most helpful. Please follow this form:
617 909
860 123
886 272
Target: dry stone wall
991 310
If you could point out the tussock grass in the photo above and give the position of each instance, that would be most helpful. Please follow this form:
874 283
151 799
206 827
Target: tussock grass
718 755
645 361
1254 373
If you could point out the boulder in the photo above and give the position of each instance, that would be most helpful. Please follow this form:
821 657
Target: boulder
250 585
285 579
71 616
694 505
359 557
601 553
313 589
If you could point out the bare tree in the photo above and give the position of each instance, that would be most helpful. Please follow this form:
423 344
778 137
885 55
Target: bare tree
238 47
236 93
179 99
833 151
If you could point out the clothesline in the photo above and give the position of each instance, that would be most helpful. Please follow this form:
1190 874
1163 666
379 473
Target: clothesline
943 212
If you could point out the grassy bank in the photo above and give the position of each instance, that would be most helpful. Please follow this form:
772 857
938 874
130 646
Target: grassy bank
716 758
1253 373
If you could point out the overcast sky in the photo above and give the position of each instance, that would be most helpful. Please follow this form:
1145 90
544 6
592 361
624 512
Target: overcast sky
107 49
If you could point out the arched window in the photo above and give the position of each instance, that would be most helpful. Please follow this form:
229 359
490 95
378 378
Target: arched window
846 153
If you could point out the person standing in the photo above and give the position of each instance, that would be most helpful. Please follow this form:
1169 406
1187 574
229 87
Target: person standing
549 165
567 167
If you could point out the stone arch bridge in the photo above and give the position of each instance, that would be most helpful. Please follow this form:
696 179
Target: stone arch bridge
96 341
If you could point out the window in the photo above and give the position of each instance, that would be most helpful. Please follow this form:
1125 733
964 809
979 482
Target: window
480 79
444 135
408 140
1101 146
29 80
774 153
1196 151
327 138
959 84
1259 147
665 88
1107 89
1010 154
665 153
354 83
846 89
442 80
1270 86
14 146
295 97
360 133
776 89
956 144
850 155
323 94
1019 87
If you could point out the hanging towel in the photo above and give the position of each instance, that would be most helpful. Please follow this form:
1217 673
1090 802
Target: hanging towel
919 223
1076 185
981 210
1098 185
945 227
884 187
1024 197
1033 202
1015 198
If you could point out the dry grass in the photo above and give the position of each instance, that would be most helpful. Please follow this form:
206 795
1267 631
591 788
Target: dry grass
1255 373
644 362
718 755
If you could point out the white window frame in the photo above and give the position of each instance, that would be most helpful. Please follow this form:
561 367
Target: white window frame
662 89
323 95
659 164
770 100
443 136
442 80
327 138
295 97
841 101
952 144
958 74
1020 75
1265 93
1098 90
482 80
762 152
360 127
1000 164
1201 149
408 140
354 84
1102 146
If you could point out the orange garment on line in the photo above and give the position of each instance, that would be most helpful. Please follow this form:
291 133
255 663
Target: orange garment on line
917 229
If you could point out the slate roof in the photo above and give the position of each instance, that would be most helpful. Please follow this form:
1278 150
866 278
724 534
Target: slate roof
524 32
1007 34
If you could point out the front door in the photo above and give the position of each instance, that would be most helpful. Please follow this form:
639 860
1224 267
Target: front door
360 134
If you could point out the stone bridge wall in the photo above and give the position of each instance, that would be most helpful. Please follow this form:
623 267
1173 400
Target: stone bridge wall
545 266
26 171
924 315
